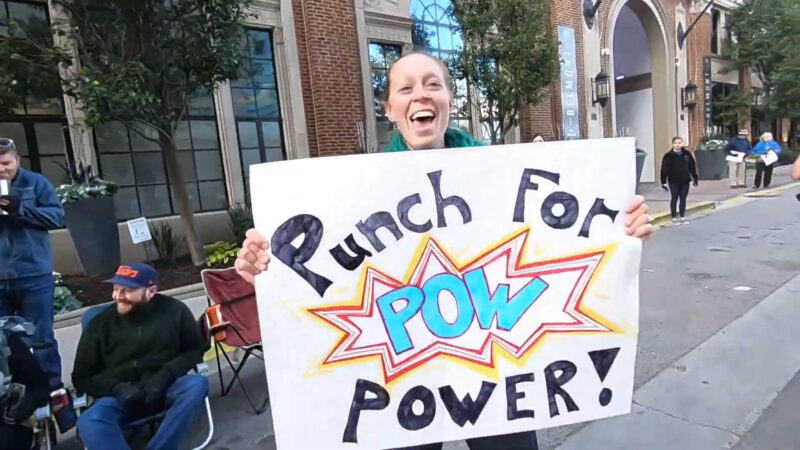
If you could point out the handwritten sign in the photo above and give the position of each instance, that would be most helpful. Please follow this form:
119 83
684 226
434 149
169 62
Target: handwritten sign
437 295
139 230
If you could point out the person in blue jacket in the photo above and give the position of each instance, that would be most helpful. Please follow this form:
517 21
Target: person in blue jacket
28 210
761 149
737 170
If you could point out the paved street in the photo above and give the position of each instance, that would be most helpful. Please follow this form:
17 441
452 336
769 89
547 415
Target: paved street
716 366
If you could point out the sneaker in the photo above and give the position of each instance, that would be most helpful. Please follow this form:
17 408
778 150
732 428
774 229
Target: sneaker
61 406
676 221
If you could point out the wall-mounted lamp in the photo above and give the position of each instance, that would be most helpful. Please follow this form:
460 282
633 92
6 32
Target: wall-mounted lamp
601 88
689 96
589 11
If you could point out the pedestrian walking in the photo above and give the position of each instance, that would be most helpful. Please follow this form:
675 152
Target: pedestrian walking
677 171
419 98
766 161
738 147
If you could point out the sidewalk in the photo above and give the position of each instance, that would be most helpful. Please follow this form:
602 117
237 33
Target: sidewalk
699 402
707 194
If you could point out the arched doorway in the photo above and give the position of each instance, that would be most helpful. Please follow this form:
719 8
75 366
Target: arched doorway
643 91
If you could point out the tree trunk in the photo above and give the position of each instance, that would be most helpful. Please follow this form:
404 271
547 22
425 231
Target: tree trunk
182 198
745 87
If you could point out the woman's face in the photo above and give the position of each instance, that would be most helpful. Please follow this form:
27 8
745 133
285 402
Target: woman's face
419 101
538 139
677 144
767 138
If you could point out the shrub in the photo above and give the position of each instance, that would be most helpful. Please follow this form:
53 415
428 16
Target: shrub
221 253
64 300
241 220
166 243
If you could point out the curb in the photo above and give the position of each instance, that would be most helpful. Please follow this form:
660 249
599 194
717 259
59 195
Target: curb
664 217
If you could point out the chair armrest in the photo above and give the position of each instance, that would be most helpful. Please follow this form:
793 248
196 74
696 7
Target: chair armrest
43 412
202 369
81 401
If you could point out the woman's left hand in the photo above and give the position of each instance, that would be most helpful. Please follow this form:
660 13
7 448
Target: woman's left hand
637 221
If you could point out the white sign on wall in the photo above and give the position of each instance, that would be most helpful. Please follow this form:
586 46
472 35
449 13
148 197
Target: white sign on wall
139 230
437 295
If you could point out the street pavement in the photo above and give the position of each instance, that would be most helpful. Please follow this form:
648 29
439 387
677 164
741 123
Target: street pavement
716 366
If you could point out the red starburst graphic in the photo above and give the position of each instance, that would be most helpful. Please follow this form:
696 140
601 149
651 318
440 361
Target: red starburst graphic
555 309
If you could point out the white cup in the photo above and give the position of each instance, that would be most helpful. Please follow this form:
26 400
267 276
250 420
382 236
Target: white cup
5 187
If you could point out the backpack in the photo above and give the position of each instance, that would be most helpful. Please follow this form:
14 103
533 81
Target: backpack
23 383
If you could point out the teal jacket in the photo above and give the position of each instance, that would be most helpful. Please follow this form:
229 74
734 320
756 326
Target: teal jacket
25 249
453 138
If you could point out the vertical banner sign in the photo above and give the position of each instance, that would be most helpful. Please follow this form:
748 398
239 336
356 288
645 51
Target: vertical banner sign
437 295
707 100
569 83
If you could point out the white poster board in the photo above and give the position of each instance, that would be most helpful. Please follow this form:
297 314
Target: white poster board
770 158
536 321
735 157
139 230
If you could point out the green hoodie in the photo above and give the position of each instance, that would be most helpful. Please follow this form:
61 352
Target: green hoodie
453 138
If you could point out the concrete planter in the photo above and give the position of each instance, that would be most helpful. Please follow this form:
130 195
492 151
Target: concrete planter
711 164
92 224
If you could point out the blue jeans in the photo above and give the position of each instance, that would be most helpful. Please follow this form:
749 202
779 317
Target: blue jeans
32 299
525 440
100 427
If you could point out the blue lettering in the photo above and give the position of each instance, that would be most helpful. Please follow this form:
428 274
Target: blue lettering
508 312
395 320
432 314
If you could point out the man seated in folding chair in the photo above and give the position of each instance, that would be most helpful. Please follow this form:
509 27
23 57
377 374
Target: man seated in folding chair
134 358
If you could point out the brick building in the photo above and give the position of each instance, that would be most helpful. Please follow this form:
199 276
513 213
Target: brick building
322 66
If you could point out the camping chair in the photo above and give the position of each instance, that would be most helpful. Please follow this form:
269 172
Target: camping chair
83 402
232 320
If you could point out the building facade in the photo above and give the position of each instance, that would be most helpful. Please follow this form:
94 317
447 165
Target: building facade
316 89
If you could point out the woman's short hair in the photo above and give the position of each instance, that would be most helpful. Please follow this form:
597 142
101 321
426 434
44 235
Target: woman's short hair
766 135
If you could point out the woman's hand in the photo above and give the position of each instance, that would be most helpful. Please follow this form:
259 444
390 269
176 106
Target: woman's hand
637 221
253 258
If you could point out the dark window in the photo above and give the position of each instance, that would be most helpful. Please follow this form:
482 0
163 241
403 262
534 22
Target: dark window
39 127
714 31
443 35
133 158
256 105
381 57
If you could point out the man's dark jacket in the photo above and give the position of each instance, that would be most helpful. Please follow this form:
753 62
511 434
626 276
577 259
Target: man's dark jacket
131 348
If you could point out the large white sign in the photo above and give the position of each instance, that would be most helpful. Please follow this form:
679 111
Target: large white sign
437 295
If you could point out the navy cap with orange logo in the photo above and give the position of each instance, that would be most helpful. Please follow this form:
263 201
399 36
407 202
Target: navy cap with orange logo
135 276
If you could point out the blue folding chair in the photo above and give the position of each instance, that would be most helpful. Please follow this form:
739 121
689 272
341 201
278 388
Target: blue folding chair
83 402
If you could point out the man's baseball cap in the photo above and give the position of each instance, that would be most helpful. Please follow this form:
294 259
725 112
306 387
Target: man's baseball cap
135 276
743 132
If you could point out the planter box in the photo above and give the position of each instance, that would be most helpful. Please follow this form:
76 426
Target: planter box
92 224
711 164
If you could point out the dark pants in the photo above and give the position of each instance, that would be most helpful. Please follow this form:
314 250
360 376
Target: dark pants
100 427
32 299
679 191
766 170
525 440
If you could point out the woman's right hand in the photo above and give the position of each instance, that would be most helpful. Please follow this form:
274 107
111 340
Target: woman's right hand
253 258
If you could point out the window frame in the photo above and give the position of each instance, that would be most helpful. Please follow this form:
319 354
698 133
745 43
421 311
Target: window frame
258 119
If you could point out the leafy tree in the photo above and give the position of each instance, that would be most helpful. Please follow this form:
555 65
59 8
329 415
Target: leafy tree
509 56
140 62
765 39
